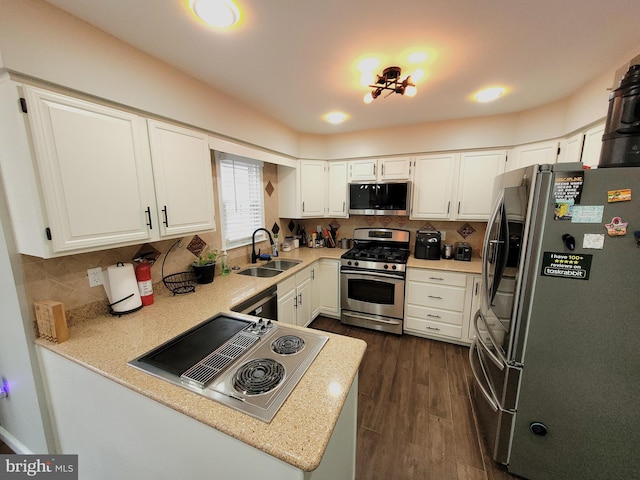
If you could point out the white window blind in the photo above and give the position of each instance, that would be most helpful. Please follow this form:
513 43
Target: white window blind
241 198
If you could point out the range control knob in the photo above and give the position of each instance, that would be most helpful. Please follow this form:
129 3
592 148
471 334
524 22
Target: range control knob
394 267
356 264
386 266
349 262
539 428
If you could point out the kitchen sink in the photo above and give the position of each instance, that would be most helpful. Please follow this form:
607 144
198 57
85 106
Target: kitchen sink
281 264
260 272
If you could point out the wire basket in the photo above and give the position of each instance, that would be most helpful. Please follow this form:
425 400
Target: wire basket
178 283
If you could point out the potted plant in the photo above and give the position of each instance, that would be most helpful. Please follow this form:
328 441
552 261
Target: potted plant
205 266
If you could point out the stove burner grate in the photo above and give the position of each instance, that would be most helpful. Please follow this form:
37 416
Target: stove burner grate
258 376
287 344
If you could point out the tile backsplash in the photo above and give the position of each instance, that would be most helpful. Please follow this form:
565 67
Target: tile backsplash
65 279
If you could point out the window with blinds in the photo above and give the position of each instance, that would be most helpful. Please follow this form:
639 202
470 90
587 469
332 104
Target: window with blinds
241 199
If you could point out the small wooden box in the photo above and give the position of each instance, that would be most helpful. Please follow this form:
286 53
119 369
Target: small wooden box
52 320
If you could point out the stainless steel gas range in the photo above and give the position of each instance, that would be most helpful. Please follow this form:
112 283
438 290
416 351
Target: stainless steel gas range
372 279
246 363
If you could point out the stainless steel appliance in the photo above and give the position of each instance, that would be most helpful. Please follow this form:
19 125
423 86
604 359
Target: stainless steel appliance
246 363
427 245
380 198
372 278
462 251
264 305
555 359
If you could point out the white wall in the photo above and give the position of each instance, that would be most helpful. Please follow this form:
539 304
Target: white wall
39 40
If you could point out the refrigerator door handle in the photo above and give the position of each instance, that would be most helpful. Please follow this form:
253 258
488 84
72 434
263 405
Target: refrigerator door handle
485 393
498 358
485 248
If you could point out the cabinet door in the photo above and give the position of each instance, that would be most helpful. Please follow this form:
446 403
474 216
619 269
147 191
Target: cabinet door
303 309
337 190
287 301
592 146
183 179
326 287
363 170
394 168
475 183
571 149
312 188
95 171
432 186
532 154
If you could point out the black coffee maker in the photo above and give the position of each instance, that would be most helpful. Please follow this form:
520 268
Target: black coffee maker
621 139
428 245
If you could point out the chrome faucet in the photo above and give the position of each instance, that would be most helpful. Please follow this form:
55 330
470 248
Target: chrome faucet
254 256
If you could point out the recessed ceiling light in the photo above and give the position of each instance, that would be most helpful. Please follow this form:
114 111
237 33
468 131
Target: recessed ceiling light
489 94
335 117
217 13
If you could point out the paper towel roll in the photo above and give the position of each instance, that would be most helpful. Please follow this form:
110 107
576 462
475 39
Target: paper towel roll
122 288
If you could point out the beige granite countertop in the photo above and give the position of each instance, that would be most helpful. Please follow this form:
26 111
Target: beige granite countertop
300 431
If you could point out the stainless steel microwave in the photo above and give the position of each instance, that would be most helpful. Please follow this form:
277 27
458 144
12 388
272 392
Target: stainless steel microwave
380 198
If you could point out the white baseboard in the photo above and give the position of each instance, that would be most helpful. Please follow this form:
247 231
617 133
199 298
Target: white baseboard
13 443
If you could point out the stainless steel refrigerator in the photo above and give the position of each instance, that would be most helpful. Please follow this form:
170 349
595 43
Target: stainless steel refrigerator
556 358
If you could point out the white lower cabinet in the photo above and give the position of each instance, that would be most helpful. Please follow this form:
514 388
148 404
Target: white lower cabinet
437 304
294 298
325 288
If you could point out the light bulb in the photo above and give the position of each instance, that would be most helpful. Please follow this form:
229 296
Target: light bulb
489 94
410 91
417 75
368 98
335 117
367 78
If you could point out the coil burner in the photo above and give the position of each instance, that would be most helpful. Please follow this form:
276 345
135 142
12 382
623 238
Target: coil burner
287 344
258 376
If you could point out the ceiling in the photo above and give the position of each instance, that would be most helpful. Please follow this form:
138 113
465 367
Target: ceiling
296 60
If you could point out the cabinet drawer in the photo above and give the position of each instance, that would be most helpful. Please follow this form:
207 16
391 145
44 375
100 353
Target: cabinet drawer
438 296
286 285
437 277
434 315
433 328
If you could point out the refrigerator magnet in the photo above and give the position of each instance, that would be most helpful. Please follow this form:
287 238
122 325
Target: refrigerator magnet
617 227
593 241
622 195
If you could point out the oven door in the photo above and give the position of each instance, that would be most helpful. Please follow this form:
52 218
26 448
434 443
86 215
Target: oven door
375 293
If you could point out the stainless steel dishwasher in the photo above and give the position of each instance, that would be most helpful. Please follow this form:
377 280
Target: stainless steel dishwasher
264 305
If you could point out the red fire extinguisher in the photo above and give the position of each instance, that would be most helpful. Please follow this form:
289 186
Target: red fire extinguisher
143 276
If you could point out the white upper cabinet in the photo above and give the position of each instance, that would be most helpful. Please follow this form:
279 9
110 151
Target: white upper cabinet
383 169
183 179
571 148
98 172
433 181
95 173
337 190
592 145
478 171
532 154
455 186
312 187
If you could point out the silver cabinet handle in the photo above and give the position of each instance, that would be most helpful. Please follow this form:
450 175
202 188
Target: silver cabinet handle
433 316
435 297
299 299
433 328
436 278
166 217
344 205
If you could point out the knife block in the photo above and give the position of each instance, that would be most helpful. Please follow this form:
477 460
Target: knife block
52 321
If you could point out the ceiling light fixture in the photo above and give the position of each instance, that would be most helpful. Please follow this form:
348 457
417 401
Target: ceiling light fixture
489 94
217 13
335 117
390 80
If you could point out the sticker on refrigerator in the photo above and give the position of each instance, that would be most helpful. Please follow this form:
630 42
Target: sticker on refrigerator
622 195
567 188
575 266
587 214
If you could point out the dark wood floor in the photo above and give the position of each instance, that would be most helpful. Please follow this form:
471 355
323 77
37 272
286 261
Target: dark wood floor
415 419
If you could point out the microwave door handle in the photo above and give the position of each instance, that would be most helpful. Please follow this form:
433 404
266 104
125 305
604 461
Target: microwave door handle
498 358
485 393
